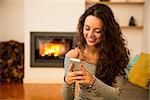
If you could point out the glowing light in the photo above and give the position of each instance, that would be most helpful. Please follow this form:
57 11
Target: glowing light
51 49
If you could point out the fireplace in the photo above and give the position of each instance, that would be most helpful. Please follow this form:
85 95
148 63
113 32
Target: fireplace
48 48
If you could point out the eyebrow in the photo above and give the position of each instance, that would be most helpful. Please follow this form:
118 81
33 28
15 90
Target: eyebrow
95 28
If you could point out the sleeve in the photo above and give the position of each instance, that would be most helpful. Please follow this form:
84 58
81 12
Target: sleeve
67 90
105 90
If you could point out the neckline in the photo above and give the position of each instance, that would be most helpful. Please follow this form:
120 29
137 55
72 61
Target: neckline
82 61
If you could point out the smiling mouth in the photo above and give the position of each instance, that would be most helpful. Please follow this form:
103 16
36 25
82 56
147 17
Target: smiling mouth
91 40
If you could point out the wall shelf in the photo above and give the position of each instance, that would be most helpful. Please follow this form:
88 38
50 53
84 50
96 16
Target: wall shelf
126 2
131 27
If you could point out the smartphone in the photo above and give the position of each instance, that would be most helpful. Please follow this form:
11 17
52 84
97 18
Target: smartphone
76 62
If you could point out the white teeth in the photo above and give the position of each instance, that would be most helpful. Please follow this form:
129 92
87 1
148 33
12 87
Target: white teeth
91 39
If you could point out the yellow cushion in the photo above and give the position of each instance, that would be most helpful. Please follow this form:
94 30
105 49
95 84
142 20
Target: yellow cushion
140 72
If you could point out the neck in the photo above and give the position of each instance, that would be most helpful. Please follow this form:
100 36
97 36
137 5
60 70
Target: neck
91 50
91 54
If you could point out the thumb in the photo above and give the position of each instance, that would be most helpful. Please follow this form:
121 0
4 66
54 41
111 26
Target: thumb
82 68
70 68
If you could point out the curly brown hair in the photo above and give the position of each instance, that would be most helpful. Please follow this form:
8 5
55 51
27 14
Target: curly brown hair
114 55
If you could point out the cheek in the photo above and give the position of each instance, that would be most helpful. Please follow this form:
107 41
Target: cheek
99 37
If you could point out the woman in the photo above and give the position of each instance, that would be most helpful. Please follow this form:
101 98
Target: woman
102 49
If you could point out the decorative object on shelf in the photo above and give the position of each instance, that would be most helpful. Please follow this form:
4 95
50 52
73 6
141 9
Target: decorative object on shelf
104 0
132 21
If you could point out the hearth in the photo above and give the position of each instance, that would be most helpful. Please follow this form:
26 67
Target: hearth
48 48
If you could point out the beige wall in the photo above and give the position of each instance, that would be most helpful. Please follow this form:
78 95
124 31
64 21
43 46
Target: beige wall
146 35
148 26
12 20
1 4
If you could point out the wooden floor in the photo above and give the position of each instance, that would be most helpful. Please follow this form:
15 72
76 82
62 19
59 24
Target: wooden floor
53 92
30 92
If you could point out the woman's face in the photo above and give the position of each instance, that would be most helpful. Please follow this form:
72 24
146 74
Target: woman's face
92 30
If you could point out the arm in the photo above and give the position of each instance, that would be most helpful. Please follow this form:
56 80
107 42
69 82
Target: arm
67 90
105 90
96 85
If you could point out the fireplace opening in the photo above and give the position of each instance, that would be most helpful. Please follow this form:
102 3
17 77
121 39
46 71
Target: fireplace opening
48 48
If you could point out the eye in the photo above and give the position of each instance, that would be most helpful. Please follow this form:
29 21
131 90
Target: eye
87 28
98 31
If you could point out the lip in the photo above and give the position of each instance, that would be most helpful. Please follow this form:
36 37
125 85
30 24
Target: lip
91 40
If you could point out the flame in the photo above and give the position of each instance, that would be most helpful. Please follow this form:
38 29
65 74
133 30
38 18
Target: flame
51 49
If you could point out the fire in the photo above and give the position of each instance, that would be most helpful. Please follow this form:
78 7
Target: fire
51 49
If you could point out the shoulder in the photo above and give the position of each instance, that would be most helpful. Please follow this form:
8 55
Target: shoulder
73 53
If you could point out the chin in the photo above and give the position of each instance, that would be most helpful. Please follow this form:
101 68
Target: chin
91 44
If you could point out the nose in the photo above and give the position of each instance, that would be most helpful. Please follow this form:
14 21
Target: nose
91 33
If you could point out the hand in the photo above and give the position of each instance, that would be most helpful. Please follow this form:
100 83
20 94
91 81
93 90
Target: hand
81 76
84 77
70 76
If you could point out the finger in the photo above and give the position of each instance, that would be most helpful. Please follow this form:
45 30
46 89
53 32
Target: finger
82 68
70 68
81 81
78 73
74 79
79 78
69 78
